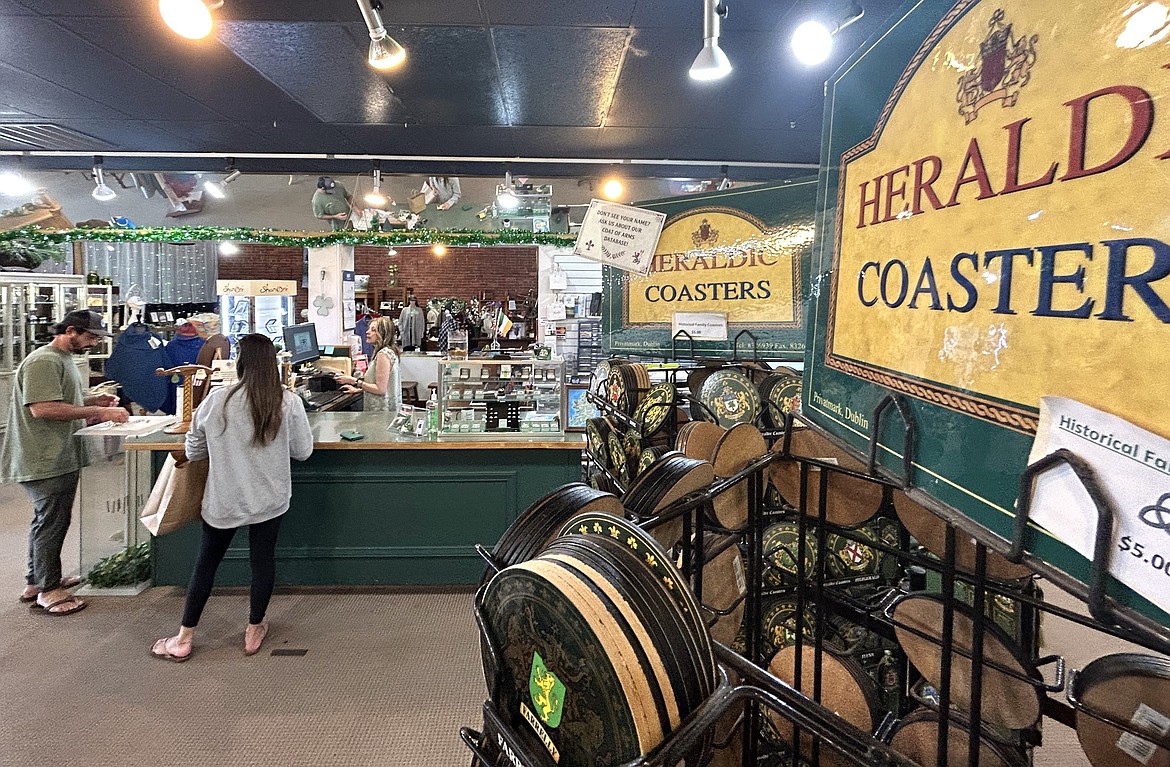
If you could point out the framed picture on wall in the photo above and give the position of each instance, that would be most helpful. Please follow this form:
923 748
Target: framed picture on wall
578 408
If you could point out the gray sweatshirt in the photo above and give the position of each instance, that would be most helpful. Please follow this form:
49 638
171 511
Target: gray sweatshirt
246 483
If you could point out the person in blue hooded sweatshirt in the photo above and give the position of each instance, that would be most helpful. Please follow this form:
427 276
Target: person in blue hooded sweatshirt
183 349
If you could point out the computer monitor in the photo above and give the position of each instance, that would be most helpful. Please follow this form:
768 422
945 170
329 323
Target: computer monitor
301 342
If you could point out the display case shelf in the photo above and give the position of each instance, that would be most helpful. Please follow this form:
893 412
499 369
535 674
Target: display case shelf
531 401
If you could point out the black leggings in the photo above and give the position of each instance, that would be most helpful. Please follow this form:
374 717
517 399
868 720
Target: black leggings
262 552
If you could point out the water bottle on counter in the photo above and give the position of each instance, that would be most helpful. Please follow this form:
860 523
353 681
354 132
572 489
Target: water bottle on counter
433 415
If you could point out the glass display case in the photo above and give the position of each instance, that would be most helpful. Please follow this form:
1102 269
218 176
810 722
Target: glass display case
30 302
494 396
241 315
106 301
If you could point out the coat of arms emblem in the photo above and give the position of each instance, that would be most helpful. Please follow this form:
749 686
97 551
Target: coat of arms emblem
1004 68
548 692
705 235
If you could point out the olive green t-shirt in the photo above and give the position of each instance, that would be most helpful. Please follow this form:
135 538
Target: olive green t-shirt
331 203
37 448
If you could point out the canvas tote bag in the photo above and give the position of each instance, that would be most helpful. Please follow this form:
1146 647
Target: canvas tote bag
176 498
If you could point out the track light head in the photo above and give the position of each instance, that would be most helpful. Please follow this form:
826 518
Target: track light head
385 52
101 192
711 63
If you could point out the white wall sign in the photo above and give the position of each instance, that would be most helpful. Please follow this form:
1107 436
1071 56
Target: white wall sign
1132 467
701 326
620 235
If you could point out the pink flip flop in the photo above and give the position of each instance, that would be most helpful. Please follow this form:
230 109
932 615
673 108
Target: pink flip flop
48 609
159 650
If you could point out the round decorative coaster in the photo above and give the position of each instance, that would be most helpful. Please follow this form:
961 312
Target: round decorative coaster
917 738
1006 700
1127 687
846 690
565 676
731 397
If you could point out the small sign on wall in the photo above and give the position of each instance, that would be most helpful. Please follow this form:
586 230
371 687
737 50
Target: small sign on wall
620 235
700 326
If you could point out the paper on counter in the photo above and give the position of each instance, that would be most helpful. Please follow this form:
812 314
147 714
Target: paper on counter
137 426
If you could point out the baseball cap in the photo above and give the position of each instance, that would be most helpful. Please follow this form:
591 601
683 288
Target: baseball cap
83 320
325 182
186 328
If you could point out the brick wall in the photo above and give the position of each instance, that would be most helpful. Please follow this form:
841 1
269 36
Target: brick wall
460 272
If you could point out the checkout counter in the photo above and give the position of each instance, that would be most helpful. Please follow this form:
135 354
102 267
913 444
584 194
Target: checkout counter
389 508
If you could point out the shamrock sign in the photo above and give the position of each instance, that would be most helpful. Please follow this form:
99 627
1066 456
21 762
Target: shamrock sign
323 303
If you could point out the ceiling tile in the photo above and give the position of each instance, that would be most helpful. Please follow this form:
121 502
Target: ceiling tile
41 97
585 62
320 65
206 71
450 77
104 78
596 13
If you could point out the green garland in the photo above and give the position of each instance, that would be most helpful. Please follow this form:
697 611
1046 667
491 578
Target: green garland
36 236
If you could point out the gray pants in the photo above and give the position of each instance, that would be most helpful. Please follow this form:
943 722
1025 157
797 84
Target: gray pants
52 501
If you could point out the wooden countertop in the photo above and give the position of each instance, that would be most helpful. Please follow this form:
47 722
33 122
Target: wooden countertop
328 426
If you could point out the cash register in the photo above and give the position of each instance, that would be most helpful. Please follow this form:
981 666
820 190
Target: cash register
316 385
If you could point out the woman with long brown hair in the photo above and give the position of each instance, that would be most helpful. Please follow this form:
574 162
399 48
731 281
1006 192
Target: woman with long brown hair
248 433
382 383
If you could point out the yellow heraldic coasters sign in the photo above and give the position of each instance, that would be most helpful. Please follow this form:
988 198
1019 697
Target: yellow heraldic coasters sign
1006 220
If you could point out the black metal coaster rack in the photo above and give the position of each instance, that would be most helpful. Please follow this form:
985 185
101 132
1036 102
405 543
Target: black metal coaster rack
748 690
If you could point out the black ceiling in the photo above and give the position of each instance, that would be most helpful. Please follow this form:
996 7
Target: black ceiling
602 79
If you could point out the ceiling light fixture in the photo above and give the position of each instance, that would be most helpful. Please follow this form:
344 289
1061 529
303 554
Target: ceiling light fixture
439 249
612 188
812 42
375 196
14 184
189 18
101 192
506 194
385 52
216 188
712 62
228 248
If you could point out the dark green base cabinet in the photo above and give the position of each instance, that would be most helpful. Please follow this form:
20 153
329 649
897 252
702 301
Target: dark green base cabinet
387 517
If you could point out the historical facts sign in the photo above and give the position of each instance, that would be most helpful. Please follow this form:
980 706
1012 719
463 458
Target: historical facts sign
994 231
738 259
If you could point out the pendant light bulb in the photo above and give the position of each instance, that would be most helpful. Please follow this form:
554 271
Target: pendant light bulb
188 18
101 192
13 184
711 63
385 52
812 42
508 200
375 196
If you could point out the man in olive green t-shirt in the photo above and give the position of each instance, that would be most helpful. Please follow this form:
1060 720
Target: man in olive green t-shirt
331 202
41 453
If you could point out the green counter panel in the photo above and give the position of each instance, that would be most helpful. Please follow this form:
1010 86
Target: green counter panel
381 517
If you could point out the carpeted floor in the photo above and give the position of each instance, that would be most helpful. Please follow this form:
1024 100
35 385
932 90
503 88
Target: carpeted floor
344 678
370 679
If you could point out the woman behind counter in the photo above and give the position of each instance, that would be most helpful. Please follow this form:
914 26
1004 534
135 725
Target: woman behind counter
248 432
382 384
